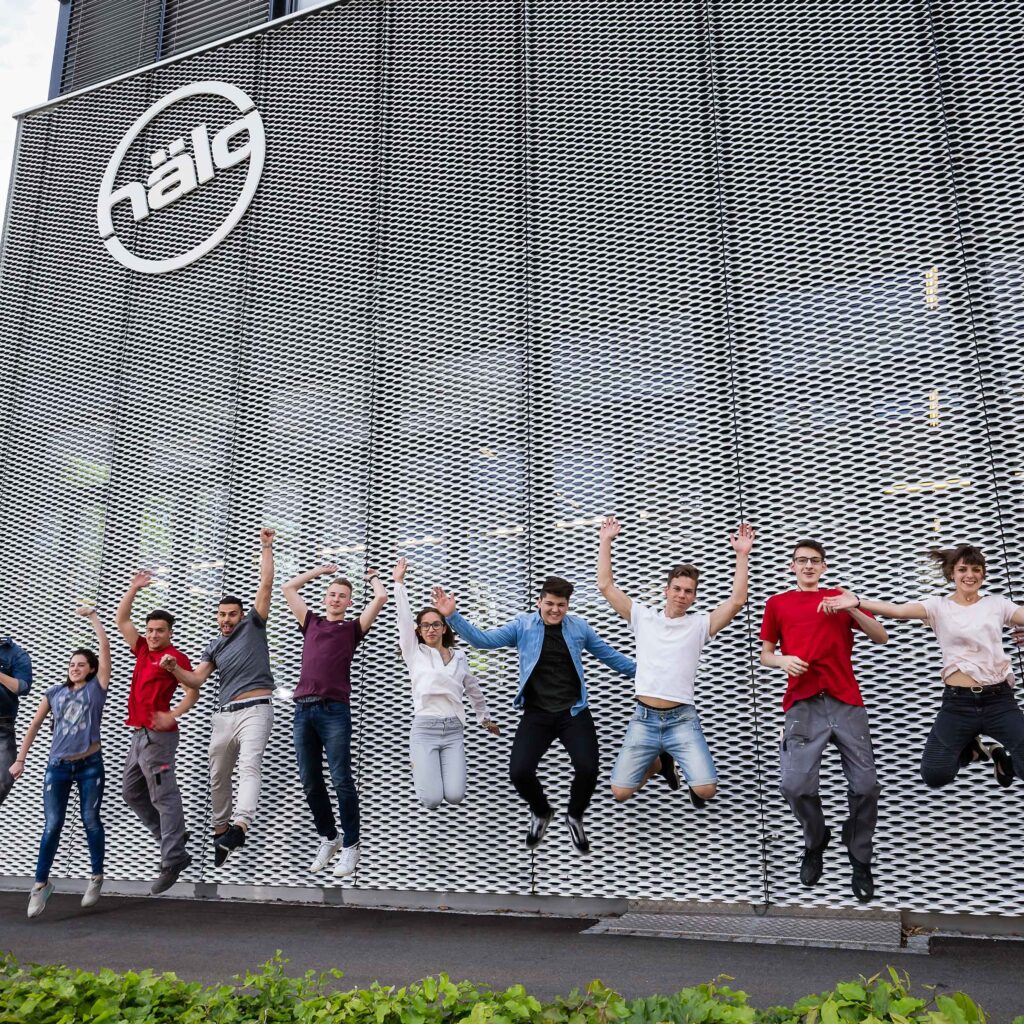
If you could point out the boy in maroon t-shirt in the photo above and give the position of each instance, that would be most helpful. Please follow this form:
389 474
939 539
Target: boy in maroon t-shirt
822 704
149 786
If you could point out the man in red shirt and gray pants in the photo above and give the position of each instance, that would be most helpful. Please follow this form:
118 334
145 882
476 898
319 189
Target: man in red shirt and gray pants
823 704
149 786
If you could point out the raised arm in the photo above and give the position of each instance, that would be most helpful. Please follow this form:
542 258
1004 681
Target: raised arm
604 651
102 642
406 624
372 608
189 679
33 728
261 602
123 615
847 601
619 601
19 682
485 639
291 590
742 541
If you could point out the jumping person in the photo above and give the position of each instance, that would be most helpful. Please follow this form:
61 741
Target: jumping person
15 682
978 693
245 717
440 680
664 735
75 759
150 785
823 704
553 695
322 724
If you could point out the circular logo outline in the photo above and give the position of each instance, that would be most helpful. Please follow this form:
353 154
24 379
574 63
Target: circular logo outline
104 221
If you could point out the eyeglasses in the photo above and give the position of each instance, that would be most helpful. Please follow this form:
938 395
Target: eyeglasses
803 560
431 625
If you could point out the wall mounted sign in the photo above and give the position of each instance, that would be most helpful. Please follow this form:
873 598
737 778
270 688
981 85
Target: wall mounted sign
181 167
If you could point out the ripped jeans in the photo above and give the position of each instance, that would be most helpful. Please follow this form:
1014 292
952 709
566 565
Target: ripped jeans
88 774
812 724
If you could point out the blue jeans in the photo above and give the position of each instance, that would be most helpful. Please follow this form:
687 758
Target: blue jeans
326 728
652 730
87 773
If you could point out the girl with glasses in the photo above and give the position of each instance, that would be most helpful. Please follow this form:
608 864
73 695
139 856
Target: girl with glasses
75 760
440 679
977 697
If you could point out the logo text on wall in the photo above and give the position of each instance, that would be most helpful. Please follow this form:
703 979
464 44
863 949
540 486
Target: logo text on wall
177 173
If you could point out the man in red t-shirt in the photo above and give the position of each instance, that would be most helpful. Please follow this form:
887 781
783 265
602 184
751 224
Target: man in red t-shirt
149 786
823 704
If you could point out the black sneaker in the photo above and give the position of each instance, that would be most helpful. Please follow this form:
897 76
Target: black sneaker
168 876
576 833
536 829
670 771
861 882
811 866
1003 763
233 838
697 801
220 849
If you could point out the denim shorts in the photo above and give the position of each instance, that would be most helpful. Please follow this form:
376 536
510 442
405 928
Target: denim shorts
651 731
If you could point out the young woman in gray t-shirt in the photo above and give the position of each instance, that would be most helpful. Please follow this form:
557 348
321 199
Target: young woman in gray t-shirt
75 759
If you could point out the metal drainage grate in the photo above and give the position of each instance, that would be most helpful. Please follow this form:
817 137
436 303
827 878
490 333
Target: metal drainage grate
860 932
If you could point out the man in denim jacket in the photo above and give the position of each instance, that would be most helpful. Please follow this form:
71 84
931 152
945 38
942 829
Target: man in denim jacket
553 696
15 682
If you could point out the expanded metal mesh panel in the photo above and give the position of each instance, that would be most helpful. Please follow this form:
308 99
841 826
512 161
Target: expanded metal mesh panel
512 267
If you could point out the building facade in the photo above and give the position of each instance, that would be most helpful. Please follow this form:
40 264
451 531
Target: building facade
496 270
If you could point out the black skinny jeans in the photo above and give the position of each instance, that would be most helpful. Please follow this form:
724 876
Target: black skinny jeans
963 715
536 732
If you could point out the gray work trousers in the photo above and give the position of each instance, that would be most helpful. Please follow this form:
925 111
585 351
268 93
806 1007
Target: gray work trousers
811 725
150 789
438 760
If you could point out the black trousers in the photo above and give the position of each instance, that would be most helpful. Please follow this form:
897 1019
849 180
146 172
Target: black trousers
536 732
963 715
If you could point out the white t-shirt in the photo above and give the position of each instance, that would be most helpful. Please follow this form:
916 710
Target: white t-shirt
667 652
971 636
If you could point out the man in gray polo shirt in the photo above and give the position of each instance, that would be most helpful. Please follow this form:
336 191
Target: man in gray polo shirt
241 727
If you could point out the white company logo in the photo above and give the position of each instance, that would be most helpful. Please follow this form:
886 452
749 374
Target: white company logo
176 174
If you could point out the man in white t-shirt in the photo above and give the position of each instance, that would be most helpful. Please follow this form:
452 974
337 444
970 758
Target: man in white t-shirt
664 735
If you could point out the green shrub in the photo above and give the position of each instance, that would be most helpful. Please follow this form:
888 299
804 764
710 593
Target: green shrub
62 995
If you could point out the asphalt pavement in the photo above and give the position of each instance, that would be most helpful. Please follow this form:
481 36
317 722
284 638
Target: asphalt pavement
212 941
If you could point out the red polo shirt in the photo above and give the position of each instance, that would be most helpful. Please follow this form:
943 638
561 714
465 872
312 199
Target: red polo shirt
792 621
152 687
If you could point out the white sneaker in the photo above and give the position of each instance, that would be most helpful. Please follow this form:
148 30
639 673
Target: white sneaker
38 897
92 891
347 861
328 848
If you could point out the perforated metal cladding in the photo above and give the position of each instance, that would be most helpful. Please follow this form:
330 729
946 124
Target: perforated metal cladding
510 268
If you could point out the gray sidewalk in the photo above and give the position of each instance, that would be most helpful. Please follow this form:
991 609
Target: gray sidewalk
211 941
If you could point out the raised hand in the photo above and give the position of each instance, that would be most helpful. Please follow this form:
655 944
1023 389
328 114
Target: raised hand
267 536
141 579
838 603
743 539
326 570
610 528
443 601
85 611
398 573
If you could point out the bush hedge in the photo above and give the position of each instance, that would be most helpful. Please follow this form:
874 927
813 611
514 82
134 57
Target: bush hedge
61 995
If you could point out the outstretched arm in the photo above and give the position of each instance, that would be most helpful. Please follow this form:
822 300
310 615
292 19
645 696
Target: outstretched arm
261 602
374 605
189 680
485 639
291 590
40 716
604 651
847 601
102 641
620 601
123 615
742 541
